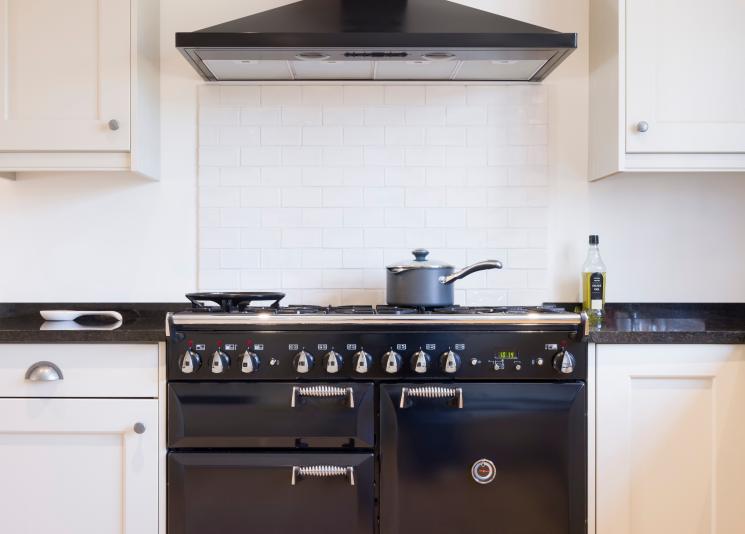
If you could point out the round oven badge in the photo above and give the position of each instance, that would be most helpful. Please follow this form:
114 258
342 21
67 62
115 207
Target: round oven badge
483 471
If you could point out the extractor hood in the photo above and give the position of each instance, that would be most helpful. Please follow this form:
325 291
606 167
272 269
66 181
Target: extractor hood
375 40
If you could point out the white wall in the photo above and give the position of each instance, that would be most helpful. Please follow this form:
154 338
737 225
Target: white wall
107 237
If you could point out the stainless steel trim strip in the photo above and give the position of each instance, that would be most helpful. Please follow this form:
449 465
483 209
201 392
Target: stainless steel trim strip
227 319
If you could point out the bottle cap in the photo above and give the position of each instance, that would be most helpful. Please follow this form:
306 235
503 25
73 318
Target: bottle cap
594 240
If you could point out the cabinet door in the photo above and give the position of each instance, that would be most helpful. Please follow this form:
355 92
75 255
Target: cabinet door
670 439
64 74
77 466
685 75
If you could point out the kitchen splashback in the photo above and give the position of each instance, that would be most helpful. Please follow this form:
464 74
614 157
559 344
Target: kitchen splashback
313 189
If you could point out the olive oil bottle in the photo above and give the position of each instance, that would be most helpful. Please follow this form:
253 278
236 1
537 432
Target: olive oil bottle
593 282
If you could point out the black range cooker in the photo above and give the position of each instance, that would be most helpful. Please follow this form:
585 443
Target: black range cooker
362 420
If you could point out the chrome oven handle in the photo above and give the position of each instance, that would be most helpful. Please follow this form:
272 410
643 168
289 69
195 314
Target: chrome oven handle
322 471
322 391
431 392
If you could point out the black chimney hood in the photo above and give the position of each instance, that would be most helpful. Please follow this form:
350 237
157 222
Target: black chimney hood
375 40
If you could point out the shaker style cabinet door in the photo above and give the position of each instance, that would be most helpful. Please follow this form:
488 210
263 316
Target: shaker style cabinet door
685 76
65 75
670 436
79 466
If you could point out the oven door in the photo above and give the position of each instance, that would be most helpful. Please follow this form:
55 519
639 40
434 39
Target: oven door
483 458
270 493
270 415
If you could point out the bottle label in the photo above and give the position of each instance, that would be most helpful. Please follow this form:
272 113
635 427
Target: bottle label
596 291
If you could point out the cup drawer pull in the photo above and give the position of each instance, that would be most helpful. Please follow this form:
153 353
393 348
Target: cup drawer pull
44 372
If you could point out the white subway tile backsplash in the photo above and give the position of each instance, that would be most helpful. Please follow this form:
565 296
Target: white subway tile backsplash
314 189
239 176
260 197
299 197
281 136
302 115
261 116
239 217
322 94
343 116
275 95
322 135
240 94
363 95
364 135
341 197
260 156
302 237
240 259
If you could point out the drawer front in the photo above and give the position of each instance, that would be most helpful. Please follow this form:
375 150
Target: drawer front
84 370
270 414
270 493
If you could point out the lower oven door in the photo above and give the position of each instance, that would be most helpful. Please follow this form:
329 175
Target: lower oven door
270 493
482 458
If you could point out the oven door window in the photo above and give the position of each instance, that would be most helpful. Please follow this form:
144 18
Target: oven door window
298 493
483 458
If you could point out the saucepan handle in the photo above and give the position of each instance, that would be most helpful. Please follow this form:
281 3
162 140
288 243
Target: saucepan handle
465 271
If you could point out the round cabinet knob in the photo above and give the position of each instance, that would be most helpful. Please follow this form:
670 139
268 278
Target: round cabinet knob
642 126
303 361
332 361
362 361
391 362
139 428
113 125
420 362
450 362
249 362
564 362
220 362
190 362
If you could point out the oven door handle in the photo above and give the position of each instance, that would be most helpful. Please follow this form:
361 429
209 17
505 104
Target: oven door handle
431 392
322 391
321 471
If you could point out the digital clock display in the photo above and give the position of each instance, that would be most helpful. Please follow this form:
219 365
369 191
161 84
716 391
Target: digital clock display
507 355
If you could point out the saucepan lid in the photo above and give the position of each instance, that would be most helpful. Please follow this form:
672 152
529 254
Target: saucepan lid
420 261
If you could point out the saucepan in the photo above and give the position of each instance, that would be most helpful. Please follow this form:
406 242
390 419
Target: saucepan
427 283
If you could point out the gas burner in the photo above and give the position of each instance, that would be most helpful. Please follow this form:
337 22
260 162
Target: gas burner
258 310
351 310
548 308
453 310
231 301
395 310
482 310
300 309
517 310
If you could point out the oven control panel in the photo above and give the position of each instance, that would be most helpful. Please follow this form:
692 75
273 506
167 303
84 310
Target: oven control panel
272 355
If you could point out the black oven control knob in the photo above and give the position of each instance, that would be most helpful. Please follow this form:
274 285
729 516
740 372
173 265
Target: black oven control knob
450 362
303 362
190 362
564 362
362 362
420 362
220 362
392 362
249 362
332 361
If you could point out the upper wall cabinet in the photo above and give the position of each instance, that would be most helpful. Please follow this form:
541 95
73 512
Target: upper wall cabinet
667 81
79 85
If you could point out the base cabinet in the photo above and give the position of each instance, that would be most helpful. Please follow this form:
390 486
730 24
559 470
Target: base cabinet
670 437
79 466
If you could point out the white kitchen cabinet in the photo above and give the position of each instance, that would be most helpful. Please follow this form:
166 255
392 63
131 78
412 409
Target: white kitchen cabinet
79 85
77 466
670 435
666 85
84 455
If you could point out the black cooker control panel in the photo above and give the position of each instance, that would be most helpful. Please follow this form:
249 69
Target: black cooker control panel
329 355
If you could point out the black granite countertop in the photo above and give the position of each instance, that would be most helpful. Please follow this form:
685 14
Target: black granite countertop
142 323
691 323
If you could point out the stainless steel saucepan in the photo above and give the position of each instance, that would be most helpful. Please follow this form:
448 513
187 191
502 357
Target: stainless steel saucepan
427 283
